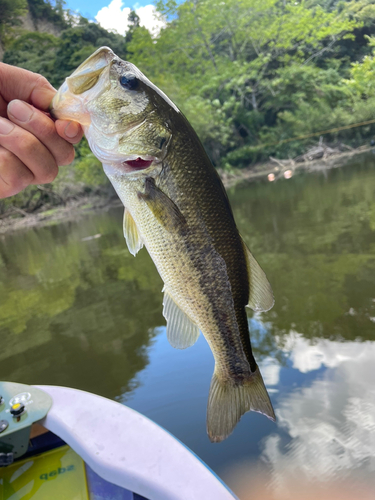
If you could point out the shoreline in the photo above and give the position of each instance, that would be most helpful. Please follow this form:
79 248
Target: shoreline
90 204
73 210
277 168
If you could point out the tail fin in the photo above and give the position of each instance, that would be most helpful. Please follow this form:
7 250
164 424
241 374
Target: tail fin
227 402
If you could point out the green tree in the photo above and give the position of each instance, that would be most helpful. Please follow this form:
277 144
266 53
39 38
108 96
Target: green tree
48 11
225 61
247 75
34 51
10 11
80 41
362 83
133 24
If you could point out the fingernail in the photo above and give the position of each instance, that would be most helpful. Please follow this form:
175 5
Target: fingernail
5 126
20 110
71 130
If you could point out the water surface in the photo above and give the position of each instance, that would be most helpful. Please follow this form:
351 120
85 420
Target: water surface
87 314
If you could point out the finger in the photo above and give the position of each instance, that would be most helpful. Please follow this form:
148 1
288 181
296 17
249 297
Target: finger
25 85
70 131
3 106
14 175
29 150
42 127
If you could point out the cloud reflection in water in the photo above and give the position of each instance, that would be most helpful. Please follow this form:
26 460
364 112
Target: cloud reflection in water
330 421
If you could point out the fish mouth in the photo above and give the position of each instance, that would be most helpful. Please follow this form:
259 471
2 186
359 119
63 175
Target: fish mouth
68 103
96 63
131 165
138 163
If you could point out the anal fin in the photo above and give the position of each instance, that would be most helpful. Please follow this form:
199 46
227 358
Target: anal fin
181 331
261 295
132 236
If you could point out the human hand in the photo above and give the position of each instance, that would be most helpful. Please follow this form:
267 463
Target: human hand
32 145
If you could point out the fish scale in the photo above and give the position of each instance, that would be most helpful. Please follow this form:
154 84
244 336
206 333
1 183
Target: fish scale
176 205
193 274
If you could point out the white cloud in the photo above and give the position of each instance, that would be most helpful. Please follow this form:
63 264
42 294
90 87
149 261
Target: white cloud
115 17
307 356
270 370
331 423
148 19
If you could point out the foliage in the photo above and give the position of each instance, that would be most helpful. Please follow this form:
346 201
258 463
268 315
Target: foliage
134 23
11 10
247 75
88 168
56 57
34 51
48 11
248 66
78 42
362 83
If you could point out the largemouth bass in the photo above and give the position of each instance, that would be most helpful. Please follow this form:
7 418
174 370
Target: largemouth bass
176 206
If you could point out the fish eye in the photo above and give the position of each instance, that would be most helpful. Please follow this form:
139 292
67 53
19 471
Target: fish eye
129 82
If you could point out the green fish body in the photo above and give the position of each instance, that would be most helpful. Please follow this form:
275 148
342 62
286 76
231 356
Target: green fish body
177 207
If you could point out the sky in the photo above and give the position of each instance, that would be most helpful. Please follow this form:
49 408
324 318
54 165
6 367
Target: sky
113 14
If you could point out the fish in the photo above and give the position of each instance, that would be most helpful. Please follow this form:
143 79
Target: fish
176 206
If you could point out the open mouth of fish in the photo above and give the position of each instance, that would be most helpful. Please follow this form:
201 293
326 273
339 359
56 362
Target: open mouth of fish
137 164
70 104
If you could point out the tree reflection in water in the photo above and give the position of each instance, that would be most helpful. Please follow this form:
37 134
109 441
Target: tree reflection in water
87 314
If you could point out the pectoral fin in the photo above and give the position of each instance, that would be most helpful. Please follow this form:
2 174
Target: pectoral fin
164 209
181 331
261 296
132 236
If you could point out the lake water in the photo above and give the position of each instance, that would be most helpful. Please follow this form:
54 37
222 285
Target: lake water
87 314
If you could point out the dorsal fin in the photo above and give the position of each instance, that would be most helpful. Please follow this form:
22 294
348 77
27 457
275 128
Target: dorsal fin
181 331
132 236
261 295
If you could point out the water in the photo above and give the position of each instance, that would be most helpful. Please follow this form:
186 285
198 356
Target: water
87 314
